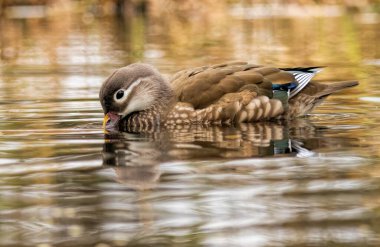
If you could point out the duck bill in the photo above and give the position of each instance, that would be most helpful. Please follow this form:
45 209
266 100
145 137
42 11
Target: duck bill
111 121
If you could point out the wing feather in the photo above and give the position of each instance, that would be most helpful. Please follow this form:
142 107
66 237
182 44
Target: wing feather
303 76
204 86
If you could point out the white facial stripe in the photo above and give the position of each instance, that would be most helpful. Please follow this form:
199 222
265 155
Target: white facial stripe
133 104
131 87
141 99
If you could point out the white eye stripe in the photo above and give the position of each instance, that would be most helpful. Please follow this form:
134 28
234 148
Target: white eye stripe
127 92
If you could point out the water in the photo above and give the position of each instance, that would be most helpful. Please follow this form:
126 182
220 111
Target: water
311 182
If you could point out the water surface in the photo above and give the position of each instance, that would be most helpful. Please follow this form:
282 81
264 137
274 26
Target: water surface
310 182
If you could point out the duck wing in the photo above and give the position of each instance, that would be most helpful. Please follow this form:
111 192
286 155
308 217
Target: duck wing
205 85
303 76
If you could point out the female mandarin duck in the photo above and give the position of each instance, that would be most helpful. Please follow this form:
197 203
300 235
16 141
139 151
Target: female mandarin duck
137 97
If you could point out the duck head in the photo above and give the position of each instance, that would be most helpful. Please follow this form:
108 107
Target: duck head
131 89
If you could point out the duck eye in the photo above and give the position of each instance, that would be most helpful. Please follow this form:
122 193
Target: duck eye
119 94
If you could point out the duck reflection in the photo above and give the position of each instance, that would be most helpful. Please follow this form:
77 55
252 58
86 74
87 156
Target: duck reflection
136 157
134 160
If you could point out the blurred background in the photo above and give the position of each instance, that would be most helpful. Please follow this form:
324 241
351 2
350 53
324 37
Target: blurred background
314 182
46 35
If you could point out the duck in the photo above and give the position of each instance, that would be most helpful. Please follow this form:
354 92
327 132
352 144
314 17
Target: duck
138 97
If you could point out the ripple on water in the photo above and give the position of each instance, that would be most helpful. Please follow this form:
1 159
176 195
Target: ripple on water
309 182
371 99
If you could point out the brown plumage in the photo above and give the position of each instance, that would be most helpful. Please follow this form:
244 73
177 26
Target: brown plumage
313 95
220 94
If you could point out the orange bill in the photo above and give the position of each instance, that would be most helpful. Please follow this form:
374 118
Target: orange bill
105 120
111 121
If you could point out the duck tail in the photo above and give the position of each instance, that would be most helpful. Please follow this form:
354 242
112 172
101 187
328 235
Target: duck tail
313 95
335 87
